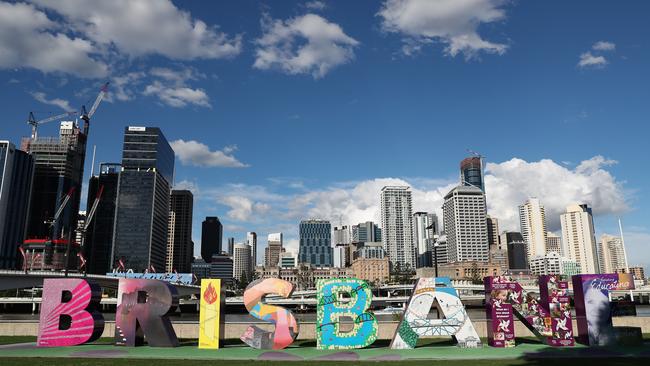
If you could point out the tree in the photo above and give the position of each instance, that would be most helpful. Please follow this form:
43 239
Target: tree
476 277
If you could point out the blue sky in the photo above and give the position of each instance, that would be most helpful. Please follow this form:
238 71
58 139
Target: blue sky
286 110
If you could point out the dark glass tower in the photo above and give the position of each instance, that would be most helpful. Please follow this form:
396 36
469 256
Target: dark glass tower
142 217
16 172
316 243
471 172
180 248
517 254
211 233
99 236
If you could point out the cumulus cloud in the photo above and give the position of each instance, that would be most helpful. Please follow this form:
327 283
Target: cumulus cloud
510 183
307 44
315 5
198 154
61 103
144 27
178 96
28 38
604 46
588 60
454 23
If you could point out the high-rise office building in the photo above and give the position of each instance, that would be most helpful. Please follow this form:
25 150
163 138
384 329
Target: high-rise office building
366 232
16 173
142 217
180 248
553 243
471 172
242 267
578 238
440 253
532 221
273 249
424 225
341 240
211 234
341 235
516 248
612 254
397 226
99 235
58 170
316 243
251 239
546 264
231 246
493 231
466 225
288 260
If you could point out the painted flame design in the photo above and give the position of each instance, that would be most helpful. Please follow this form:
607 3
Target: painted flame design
210 295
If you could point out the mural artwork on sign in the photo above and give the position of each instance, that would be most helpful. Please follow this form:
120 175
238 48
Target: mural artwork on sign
415 323
594 313
142 307
332 307
211 327
286 326
505 298
68 313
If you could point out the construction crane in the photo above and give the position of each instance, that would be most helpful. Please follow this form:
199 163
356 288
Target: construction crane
90 216
59 211
34 123
87 115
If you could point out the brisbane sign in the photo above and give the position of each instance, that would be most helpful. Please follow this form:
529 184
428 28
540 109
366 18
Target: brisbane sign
69 317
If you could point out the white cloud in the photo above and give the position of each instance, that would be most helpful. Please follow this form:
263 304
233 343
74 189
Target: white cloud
315 5
307 44
28 38
198 154
177 96
604 46
122 86
144 27
454 23
588 59
61 103
510 183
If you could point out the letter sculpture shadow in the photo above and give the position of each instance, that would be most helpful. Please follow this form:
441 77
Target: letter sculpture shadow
213 301
594 313
331 308
548 317
286 326
142 308
68 313
415 323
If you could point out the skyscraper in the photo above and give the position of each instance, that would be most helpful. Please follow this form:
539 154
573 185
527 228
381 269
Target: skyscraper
251 239
180 248
341 240
315 243
578 239
471 172
273 250
493 231
242 267
16 173
532 222
424 225
612 254
211 233
397 226
516 247
58 170
99 235
366 232
142 217
466 225
231 246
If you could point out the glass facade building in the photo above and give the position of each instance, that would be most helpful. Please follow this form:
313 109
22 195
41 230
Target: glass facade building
142 216
16 173
316 243
99 235
180 247
211 238
471 173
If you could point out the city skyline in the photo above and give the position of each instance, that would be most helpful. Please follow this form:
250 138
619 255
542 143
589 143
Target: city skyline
230 138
